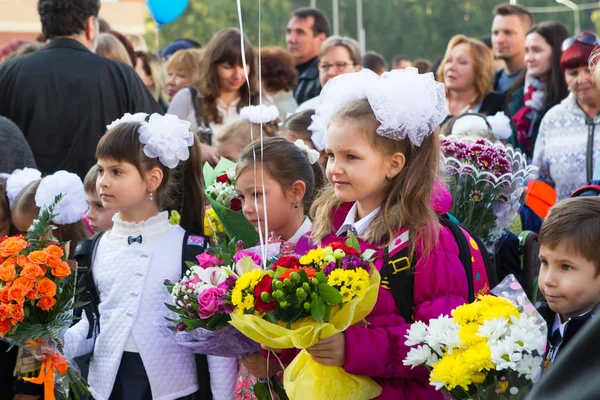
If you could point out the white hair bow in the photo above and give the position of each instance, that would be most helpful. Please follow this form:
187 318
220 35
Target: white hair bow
72 206
18 180
312 155
261 114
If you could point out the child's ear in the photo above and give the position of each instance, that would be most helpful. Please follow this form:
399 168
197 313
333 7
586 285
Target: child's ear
298 190
397 161
154 178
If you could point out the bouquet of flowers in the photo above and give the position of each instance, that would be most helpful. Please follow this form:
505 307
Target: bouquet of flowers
487 182
490 349
222 196
202 303
37 290
299 301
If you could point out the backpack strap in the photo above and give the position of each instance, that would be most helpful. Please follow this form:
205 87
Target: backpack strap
464 252
398 276
205 133
194 244
89 295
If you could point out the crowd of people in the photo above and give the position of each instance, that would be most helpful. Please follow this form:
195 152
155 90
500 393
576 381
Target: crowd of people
74 106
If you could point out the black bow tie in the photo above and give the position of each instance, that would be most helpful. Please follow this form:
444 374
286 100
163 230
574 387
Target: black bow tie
131 239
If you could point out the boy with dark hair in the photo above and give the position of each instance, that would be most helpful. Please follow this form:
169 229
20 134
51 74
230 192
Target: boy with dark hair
570 269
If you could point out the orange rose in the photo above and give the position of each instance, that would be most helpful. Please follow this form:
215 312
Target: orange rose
54 250
4 298
21 260
17 294
8 273
17 313
4 312
9 262
46 303
25 283
32 271
12 246
62 271
53 261
37 257
32 295
46 287
4 327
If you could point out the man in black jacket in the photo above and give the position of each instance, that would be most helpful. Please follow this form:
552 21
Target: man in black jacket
307 30
63 96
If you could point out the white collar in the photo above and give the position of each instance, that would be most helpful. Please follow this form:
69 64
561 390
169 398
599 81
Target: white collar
359 226
154 226
303 230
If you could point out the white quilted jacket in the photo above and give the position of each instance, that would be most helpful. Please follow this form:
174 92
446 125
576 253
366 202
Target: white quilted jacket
132 296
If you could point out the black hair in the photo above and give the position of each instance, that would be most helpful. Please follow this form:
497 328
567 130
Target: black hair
321 22
374 61
66 17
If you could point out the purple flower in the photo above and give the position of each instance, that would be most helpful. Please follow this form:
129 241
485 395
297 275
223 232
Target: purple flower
240 245
244 253
208 302
329 268
181 326
228 283
485 161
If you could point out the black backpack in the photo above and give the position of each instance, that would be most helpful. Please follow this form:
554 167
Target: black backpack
398 276
90 296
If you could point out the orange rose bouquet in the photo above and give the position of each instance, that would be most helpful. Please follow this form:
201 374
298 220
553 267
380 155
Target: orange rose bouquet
37 290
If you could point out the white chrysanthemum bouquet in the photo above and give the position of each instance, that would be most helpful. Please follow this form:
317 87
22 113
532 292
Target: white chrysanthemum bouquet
490 349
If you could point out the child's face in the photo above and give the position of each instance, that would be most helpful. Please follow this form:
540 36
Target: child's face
229 149
22 221
279 208
569 282
121 186
356 170
100 218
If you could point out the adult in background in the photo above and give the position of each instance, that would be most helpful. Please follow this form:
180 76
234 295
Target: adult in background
150 69
568 142
279 77
541 84
375 62
467 71
306 31
338 55
422 65
401 62
64 111
110 47
14 152
511 24
183 69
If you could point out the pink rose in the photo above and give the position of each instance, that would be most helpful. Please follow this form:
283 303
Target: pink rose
206 260
241 254
209 301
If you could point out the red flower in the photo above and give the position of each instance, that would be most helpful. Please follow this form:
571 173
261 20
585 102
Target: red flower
350 251
223 179
236 204
265 285
310 271
286 262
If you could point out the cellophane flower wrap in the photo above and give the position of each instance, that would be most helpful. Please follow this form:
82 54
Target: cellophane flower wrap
37 291
296 302
490 349
202 303
222 196
487 182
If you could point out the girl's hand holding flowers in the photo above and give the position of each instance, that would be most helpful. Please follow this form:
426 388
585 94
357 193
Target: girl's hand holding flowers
256 364
330 351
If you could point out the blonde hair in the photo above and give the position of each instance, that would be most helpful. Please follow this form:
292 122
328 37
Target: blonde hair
349 44
483 64
137 42
111 47
240 131
408 195
153 66
186 61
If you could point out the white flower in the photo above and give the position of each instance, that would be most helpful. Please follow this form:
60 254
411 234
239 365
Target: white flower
231 175
417 356
530 367
504 354
526 332
442 332
416 333
222 193
167 138
437 384
493 329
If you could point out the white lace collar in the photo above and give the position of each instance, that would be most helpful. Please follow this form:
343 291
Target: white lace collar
157 225
360 226
303 230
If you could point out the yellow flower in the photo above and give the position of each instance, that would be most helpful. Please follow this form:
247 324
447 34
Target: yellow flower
175 217
248 301
502 386
336 277
313 257
452 371
478 356
468 334
479 377
236 297
212 224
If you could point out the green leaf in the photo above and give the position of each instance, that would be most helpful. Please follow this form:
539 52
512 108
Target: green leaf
353 242
303 276
173 308
317 309
190 264
327 315
321 277
329 294
261 391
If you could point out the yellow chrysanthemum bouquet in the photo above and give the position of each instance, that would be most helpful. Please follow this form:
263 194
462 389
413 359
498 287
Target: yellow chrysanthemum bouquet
490 349
300 301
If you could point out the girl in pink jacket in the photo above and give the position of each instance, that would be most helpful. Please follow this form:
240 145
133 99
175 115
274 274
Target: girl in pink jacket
383 170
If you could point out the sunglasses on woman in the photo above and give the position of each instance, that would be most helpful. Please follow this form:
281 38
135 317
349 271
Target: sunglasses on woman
586 38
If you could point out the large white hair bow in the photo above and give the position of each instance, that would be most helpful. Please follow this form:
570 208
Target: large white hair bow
18 180
165 137
261 114
405 103
72 206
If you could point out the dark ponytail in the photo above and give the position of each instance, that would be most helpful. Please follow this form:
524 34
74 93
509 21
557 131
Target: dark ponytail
191 187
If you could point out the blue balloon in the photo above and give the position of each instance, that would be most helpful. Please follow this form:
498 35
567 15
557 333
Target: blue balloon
166 11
